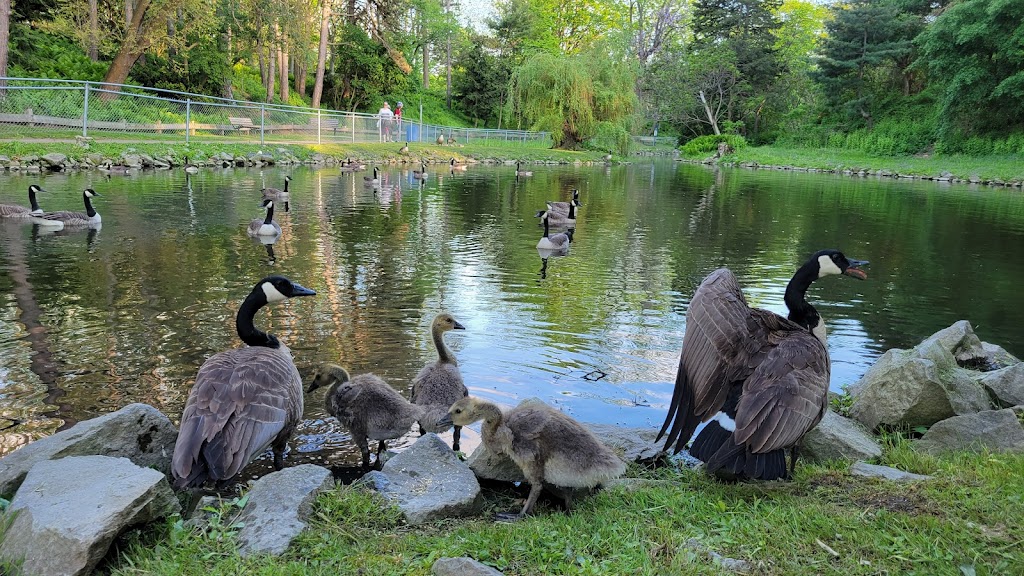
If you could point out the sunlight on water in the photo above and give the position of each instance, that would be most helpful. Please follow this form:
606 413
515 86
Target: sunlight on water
93 321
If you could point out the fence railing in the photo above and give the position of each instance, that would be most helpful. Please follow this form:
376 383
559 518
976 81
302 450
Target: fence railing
45 108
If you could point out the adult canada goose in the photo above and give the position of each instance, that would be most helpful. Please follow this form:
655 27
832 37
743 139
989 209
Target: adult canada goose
371 180
350 166
367 407
190 168
422 173
560 220
115 169
456 166
440 140
265 226
451 140
549 446
553 241
761 379
404 149
243 400
16 211
89 218
522 172
563 207
438 385
277 193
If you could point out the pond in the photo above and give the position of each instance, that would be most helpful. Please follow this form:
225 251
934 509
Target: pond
93 321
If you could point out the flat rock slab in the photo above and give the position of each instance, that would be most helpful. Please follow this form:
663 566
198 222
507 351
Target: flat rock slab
632 444
1006 385
461 567
874 471
489 465
839 438
278 506
68 511
427 482
996 430
138 432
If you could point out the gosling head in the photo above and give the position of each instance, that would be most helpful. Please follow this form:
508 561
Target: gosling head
463 413
444 322
326 375
834 262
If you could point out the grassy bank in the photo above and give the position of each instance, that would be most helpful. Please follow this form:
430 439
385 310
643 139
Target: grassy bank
982 168
367 152
825 521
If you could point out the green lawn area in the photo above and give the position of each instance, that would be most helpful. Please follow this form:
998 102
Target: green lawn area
823 522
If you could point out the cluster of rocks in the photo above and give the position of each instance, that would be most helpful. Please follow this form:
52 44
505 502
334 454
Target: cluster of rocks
969 395
74 492
944 176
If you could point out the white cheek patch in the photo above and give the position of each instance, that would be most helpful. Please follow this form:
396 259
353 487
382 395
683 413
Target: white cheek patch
272 293
724 421
827 267
819 331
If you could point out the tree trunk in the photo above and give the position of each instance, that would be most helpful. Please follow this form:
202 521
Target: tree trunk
227 88
129 12
448 73
282 64
131 50
426 65
271 71
94 30
350 17
396 55
321 58
300 76
711 116
5 39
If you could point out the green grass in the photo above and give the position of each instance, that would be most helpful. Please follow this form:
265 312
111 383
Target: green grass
1007 168
969 515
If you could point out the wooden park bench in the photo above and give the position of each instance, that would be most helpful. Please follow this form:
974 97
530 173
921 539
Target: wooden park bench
242 124
326 124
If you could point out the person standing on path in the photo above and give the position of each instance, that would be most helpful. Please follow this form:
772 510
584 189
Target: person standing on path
384 120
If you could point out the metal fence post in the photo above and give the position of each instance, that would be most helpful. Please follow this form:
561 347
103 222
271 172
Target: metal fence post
85 113
263 121
318 126
188 118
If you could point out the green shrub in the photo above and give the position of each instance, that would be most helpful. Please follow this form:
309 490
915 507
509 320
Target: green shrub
702 145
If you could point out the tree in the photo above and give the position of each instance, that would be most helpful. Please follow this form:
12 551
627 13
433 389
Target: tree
365 74
975 51
5 38
863 36
574 96
748 28
480 81
697 91
321 60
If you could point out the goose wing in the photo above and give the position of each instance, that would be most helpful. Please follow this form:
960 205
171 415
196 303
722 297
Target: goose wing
242 399
723 337
787 393
65 216
13 210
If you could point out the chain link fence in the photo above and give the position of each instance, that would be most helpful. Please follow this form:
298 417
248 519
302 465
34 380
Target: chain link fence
66 109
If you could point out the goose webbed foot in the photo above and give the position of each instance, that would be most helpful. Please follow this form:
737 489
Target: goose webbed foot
508 516
456 433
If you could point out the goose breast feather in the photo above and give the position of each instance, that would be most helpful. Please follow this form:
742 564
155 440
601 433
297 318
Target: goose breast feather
241 401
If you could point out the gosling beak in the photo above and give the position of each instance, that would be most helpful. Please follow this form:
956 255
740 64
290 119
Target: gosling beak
855 271
300 290
446 421
459 326
312 386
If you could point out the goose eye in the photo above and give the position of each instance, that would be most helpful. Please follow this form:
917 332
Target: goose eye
458 410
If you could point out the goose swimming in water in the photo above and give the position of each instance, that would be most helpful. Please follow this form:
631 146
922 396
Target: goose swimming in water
89 218
563 207
759 380
265 226
16 211
553 241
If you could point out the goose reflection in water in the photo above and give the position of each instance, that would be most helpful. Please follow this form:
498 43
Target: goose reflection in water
268 243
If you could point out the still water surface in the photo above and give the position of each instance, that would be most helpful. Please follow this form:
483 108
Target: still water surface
92 321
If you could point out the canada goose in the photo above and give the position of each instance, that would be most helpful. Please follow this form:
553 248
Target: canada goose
265 226
440 140
350 166
439 384
115 169
558 219
190 168
367 407
523 172
422 173
563 207
455 166
761 379
371 181
451 140
553 241
546 444
89 218
608 158
404 149
276 193
16 211
243 400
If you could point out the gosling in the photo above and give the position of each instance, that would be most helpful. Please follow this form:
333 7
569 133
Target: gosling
367 407
439 384
546 444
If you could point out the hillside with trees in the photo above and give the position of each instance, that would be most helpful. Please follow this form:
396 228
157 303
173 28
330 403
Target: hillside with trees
884 77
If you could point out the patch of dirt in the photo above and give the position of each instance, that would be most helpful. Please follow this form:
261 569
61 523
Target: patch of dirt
912 504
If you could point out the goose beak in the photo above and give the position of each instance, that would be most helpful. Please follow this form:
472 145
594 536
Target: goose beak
300 290
312 386
446 421
459 326
855 271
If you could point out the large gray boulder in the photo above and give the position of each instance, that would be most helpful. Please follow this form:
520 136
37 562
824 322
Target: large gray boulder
462 566
921 386
995 430
998 357
632 444
278 506
427 482
68 511
839 438
54 160
138 432
488 465
1005 386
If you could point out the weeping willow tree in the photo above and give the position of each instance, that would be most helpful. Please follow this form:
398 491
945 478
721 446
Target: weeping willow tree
577 98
